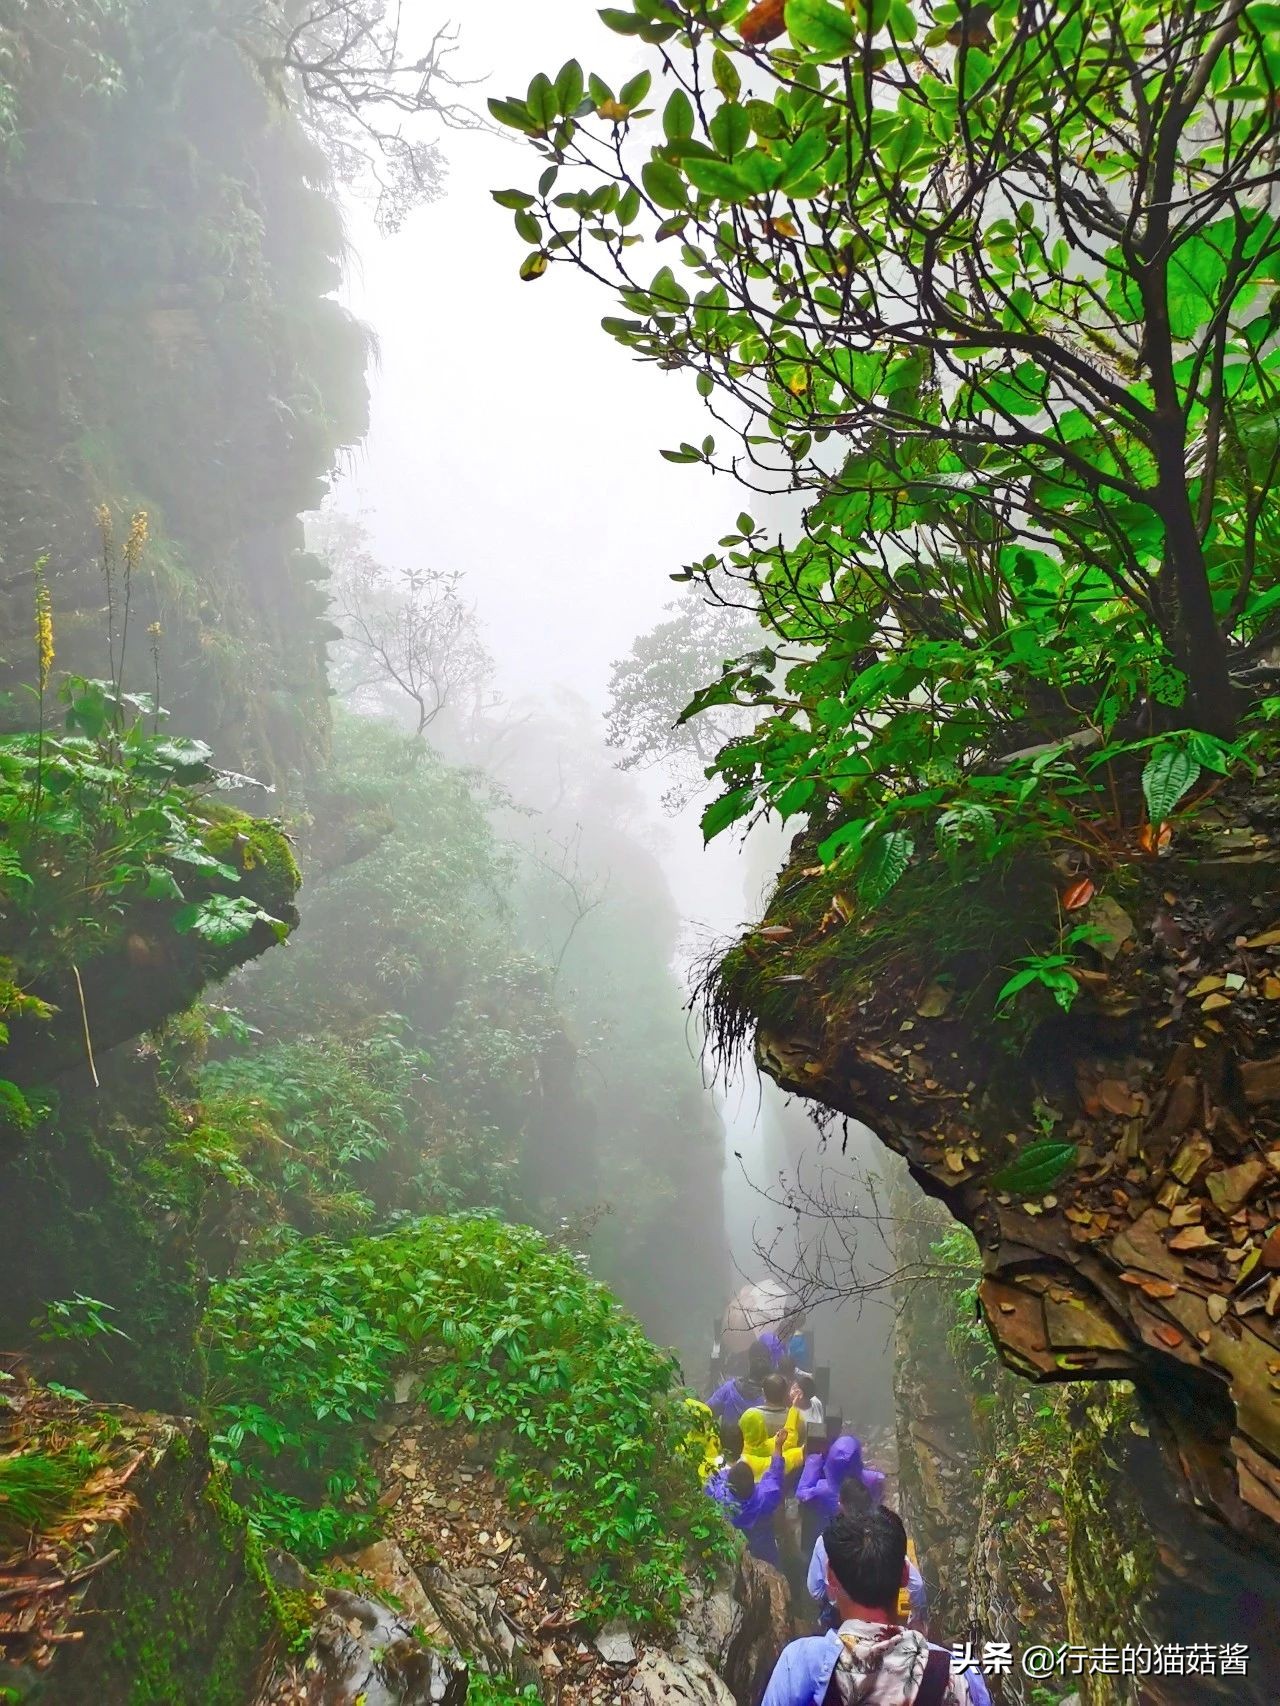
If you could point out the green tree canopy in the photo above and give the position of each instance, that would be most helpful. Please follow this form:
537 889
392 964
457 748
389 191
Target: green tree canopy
994 289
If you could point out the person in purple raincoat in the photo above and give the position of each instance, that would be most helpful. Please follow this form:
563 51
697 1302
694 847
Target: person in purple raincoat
742 1391
751 1505
775 1347
818 1490
822 1475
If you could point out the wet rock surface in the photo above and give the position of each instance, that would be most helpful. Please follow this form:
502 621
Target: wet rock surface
364 1654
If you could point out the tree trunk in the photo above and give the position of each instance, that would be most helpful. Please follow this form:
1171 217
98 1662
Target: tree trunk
1191 626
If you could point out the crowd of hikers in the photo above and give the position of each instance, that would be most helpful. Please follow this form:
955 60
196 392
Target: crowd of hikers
811 1507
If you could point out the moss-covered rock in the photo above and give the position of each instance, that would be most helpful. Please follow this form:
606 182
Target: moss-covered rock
157 1605
137 967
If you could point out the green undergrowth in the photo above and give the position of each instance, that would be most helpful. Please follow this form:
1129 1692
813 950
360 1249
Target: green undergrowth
105 817
499 1690
508 1336
320 1132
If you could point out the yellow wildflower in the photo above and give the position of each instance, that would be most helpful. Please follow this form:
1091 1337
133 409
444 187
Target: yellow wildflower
138 530
44 627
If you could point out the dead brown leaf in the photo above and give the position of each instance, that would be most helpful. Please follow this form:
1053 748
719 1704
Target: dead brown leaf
1118 1098
1193 1238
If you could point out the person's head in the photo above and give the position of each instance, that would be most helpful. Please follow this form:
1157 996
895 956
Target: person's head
759 1361
730 1438
776 1388
866 1564
853 1496
741 1480
806 1386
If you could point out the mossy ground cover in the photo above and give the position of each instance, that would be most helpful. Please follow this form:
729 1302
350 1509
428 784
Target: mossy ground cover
119 1579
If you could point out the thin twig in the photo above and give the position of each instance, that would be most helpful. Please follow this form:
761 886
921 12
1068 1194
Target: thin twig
84 1017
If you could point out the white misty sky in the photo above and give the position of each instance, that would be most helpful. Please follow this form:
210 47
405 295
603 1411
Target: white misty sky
512 439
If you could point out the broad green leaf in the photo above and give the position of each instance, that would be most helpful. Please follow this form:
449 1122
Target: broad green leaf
883 865
569 87
821 26
1037 1168
678 117
1169 773
726 810
730 131
721 178
635 90
515 115
848 838
724 74
664 185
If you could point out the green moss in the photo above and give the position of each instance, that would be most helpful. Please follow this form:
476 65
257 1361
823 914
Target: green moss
99 1206
189 1621
259 849
290 1609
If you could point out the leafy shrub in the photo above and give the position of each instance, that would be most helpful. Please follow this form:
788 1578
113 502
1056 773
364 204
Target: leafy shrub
103 818
1007 432
510 1336
306 1123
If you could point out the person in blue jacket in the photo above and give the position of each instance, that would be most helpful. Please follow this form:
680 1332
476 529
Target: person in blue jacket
751 1505
870 1658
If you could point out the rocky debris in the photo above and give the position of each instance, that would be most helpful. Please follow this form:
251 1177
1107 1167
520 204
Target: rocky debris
614 1643
362 1653
501 1591
663 1680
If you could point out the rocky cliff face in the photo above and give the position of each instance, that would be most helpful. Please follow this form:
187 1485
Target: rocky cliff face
169 341
1043 1517
1156 1256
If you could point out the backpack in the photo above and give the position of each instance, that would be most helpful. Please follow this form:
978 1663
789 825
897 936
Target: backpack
933 1684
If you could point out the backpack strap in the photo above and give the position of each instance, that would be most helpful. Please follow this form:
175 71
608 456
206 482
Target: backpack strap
937 1676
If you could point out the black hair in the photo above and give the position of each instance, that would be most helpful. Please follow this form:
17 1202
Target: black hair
759 1360
854 1498
730 1437
775 1388
867 1554
741 1479
807 1384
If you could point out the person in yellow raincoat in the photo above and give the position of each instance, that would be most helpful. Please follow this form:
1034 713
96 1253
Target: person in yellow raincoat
757 1441
712 1446
703 1439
